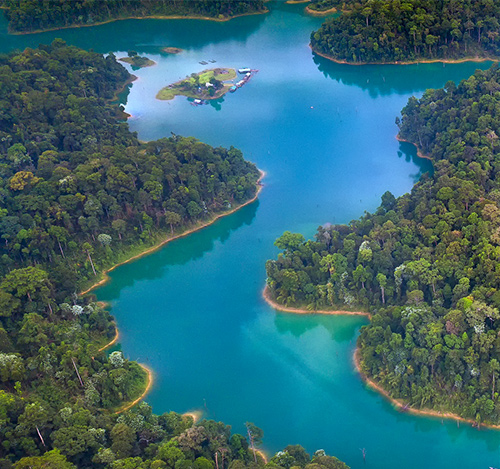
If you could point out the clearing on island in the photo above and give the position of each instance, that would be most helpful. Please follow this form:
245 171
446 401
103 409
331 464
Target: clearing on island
207 84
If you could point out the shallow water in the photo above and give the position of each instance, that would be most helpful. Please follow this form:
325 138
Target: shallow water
193 311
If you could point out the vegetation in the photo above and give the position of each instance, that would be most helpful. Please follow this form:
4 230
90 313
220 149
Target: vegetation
208 84
35 15
78 190
324 6
136 60
425 264
376 31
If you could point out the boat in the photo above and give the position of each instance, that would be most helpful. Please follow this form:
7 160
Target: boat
233 88
244 70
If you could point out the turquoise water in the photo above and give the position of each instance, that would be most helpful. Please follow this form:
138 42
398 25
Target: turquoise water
193 311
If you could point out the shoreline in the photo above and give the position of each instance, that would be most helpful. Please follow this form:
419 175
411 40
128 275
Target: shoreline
422 412
112 342
287 309
157 246
120 89
153 17
195 415
370 382
149 372
330 11
415 62
419 153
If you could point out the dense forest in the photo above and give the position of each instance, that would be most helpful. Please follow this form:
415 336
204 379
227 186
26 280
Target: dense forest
33 15
378 31
425 264
78 188
78 191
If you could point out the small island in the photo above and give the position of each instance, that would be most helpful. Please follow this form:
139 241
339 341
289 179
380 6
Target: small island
207 84
136 60
172 50
323 7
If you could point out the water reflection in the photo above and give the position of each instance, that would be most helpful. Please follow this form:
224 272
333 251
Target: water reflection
409 152
342 330
384 80
144 36
179 252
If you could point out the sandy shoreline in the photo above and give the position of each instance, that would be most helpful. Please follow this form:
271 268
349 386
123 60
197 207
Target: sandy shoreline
400 405
112 342
286 309
158 17
157 246
321 13
144 393
369 382
415 62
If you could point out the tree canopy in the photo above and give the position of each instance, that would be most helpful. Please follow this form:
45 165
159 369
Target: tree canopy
377 31
34 15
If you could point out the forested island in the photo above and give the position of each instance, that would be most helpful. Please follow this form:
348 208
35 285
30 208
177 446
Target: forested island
425 264
137 61
324 7
376 31
27 16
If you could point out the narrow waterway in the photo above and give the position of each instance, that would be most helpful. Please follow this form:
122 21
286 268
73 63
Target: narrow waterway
193 311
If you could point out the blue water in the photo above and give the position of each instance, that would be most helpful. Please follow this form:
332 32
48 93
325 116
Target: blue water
193 311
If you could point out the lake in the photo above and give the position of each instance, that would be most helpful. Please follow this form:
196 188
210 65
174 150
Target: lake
325 135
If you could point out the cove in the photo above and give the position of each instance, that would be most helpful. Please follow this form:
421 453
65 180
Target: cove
193 310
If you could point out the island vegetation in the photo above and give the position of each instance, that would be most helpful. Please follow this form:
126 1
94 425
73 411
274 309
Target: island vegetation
33 16
425 264
325 7
80 193
134 59
172 50
207 84
400 31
